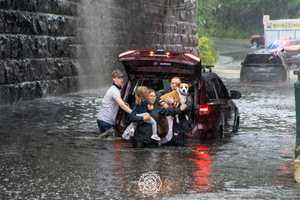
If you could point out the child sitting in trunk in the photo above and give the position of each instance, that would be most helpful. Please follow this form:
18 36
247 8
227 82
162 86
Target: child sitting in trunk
142 107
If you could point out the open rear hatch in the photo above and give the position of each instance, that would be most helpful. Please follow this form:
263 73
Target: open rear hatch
160 64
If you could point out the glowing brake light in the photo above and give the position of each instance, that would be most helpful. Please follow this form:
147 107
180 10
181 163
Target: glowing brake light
192 57
159 52
204 109
126 53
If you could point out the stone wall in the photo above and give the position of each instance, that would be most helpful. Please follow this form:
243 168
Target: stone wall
51 47
36 56
110 27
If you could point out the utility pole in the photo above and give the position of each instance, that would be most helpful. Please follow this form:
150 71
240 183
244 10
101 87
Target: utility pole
297 148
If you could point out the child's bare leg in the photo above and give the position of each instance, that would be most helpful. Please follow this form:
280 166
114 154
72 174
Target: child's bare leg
154 130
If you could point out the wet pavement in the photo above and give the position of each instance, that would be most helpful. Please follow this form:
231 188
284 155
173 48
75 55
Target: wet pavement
48 150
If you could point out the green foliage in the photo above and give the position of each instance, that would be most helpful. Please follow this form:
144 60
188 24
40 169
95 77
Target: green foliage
209 55
241 18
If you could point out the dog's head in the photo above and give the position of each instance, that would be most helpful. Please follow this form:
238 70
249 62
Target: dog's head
184 89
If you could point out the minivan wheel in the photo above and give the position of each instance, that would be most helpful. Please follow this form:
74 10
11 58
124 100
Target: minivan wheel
220 132
236 125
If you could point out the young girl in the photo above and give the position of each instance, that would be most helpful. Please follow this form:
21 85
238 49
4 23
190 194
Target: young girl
141 109
151 98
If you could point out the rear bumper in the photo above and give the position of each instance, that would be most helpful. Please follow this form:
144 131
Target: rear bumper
204 127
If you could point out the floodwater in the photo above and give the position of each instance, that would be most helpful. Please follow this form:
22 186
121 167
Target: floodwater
48 150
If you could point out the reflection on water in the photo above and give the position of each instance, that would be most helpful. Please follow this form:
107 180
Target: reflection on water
182 170
203 165
48 151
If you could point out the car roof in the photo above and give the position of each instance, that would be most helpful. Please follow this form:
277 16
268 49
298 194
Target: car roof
159 63
184 58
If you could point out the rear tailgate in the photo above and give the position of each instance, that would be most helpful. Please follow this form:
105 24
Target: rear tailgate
148 64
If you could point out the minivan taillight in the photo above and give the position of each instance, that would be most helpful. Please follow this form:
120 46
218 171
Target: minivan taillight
204 109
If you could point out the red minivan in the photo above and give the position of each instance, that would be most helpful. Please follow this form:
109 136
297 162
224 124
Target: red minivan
213 110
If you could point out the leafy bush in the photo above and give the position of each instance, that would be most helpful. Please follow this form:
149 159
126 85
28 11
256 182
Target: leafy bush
209 55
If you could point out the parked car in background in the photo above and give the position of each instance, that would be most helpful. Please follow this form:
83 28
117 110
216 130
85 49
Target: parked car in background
263 65
290 50
212 111
257 41
291 53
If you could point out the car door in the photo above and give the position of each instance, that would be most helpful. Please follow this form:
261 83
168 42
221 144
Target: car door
214 103
226 105
121 116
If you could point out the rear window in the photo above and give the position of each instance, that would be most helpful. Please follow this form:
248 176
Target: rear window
262 59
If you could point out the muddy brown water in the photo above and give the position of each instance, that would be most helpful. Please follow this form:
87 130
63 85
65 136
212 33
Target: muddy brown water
48 150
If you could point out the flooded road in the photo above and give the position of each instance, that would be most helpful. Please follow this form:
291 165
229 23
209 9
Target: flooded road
48 151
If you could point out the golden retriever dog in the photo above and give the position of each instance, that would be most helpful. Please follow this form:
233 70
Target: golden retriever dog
179 96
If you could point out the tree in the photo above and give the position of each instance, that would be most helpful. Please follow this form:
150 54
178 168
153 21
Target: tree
239 17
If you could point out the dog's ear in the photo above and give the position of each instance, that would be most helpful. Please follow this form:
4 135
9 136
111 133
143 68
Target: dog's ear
190 85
